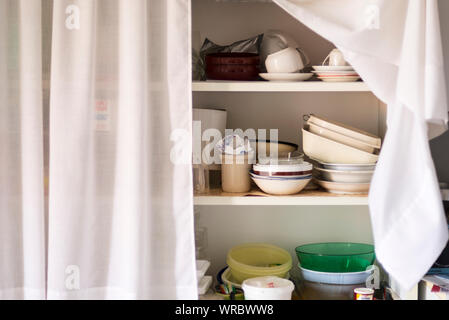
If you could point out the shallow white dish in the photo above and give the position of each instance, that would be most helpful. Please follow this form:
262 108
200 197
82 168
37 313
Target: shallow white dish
281 186
282 178
343 166
346 130
349 141
345 176
286 76
327 150
335 277
339 79
336 73
305 166
344 188
333 68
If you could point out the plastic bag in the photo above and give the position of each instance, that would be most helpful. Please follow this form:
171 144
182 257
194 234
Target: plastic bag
251 45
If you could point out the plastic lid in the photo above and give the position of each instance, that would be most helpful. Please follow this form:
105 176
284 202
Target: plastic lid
299 167
234 145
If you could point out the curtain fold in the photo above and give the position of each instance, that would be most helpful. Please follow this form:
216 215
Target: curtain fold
396 48
22 217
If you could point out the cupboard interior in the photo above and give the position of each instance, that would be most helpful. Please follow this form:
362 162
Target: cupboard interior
285 226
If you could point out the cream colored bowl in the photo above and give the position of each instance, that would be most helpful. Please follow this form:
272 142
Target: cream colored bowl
348 131
338 137
326 150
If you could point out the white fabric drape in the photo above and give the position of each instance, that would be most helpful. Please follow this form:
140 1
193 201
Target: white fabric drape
120 211
22 218
398 54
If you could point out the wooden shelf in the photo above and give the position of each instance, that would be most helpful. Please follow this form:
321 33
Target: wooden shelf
267 86
216 197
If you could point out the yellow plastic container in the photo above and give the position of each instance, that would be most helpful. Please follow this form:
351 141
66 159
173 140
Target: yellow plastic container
257 260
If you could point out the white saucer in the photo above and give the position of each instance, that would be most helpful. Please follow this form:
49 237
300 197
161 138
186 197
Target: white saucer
286 76
333 68
339 79
336 72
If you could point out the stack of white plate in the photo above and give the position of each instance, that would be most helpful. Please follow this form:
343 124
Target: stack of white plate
336 73
344 157
344 178
204 282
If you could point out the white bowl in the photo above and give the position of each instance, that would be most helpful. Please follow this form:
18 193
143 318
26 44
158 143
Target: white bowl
344 188
348 131
281 186
349 141
304 166
327 150
336 277
343 166
345 176
285 61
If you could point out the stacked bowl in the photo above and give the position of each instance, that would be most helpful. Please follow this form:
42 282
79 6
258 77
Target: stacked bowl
344 178
253 260
344 157
333 270
285 175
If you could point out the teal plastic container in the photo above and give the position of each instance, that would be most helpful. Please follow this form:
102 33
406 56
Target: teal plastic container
336 256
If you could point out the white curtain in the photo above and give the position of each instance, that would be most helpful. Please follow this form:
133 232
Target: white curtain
120 211
396 47
22 218
120 208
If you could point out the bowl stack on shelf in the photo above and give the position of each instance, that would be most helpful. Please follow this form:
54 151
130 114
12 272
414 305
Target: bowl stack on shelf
284 175
344 157
251 260
333 270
